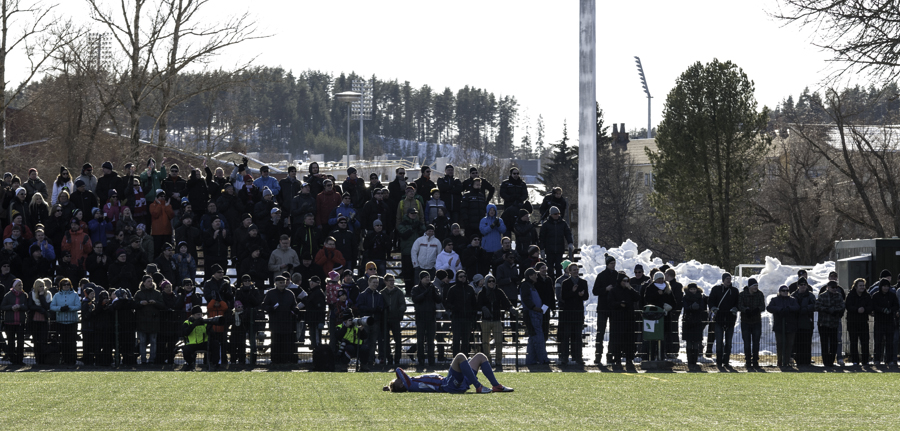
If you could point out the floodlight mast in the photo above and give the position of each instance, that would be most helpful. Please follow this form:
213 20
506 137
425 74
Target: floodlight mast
646 91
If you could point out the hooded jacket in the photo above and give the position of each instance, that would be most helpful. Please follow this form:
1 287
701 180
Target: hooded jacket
492 229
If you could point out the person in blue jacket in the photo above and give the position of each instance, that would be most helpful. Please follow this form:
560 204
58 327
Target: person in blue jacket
460 376
66 304
492 229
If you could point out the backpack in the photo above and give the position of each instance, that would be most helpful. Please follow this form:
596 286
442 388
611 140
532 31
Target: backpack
323 359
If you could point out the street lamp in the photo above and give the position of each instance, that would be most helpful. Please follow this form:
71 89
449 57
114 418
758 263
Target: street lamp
646 90
348 97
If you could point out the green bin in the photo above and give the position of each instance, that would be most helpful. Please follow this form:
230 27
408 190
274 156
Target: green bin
654 318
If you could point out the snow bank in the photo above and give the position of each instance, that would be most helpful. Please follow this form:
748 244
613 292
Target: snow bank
628 255
773 275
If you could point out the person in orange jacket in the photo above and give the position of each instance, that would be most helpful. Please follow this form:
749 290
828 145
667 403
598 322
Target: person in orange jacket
161 215
216 333
77 242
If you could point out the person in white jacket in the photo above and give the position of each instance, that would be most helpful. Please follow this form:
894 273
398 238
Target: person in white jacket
448 260
424 252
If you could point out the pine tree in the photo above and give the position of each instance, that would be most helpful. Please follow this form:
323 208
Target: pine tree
711 145
562 169
526 151
539 138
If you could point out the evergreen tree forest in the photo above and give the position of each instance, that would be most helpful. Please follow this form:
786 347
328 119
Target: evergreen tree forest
269 109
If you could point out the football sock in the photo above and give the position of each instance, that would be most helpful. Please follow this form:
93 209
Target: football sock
489 373
469 374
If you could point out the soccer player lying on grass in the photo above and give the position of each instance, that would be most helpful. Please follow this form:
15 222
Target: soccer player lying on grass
459 377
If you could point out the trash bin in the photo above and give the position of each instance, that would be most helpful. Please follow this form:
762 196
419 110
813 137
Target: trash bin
654 318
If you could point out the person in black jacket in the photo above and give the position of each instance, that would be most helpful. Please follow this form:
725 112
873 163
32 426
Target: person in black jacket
472 205
859 306
604 283
377 246
573 293
802 349
251 298
451 189
460 301
425 297
281 306
475 260
673 344
660 294
314 306
693 321
884 307
784 311
547 291
723 302
622 299
492 302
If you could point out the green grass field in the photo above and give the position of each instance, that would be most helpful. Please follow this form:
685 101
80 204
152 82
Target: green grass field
561 401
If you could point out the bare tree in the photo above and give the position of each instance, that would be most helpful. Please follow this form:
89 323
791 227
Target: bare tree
160 39
795 204
31 27
863 35
864 155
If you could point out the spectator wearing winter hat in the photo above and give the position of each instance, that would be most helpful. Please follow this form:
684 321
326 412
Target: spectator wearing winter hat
356 187
87 175
347 210
448 259
784 309
148 304
802 348
451 191
138 201
410 201
112 209
555 238
303 203
751 304
66 304
151 178
884 310
723 302
830 305
424 252
83 198
433 205
100 228
492 229
793 286
108 181
377 246
263 208
15 307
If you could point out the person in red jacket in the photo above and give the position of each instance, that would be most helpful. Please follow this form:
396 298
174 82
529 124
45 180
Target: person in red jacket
329 257
161 215
326 202
77 242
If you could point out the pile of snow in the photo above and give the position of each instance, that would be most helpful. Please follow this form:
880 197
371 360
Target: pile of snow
628 256
773 275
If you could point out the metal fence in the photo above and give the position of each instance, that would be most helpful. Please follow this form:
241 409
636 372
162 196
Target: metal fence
115 341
